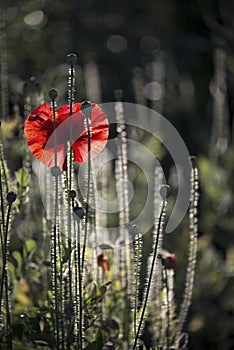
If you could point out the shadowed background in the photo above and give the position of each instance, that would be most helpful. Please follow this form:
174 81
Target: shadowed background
173 56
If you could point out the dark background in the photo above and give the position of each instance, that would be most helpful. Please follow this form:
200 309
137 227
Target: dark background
193 43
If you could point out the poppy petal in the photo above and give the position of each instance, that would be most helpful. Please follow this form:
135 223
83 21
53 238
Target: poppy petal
38 128
39 133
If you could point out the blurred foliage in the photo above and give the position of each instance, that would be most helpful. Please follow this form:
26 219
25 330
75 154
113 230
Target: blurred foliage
120 37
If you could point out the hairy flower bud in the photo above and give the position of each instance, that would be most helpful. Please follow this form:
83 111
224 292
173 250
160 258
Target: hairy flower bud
11 197
86 108
71 59
165 191
53 93
55 171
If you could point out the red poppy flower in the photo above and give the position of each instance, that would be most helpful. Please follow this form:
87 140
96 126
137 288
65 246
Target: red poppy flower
39 131
169 260
102 262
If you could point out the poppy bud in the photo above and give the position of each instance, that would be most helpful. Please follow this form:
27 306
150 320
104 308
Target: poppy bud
71 59
78 212
55 171
86 108
11 197
102 262
165 191
170 262
72 194
53 93
133 230
193 160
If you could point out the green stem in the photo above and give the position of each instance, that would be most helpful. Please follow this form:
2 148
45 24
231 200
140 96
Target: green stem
61 289
56 284
5 279
4 174
136 284
55 235
88 192
2 227
8 315
69 188
168 311
150 276
2 206
4 258
80 291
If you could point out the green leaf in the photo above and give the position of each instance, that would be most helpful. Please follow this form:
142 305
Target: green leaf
17 256
29 247
91 292
101 339
101 291
92 346
22 177
11 271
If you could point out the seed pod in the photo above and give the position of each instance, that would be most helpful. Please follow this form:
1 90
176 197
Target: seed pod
86 108
72 194
165 191
11 197
55 171
53 93
71 59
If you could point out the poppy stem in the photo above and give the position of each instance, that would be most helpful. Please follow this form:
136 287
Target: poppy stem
71 83
71 60
55 173
80 338
159 228
87 109
70 171
168 310
4 281
53 94
192 254
137 257
2 205
3 222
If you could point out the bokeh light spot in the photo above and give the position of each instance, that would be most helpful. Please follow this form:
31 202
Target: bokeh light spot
113 19
153 91
117 43
36 19
149 44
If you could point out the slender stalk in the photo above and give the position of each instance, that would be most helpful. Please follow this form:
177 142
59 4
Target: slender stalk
87 119
151 274
71 59
55 282
2 205
4 281
168 310
193 236
8 315
2 227
70 294
55 234
123 196
80 338
137 246
61 289
4 262
3 166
